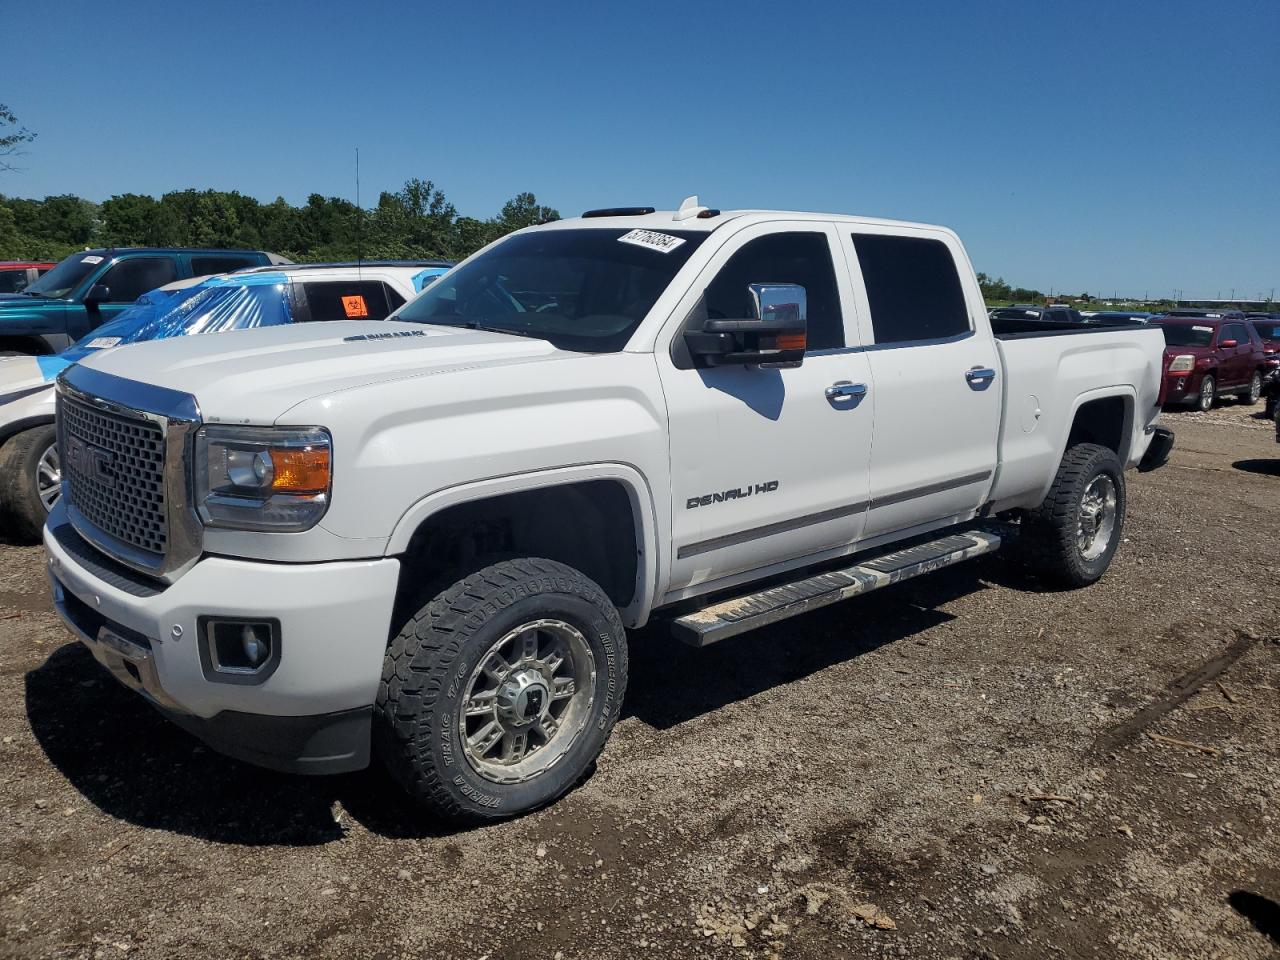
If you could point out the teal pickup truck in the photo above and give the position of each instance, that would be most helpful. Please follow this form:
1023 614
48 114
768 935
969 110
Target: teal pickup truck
89 288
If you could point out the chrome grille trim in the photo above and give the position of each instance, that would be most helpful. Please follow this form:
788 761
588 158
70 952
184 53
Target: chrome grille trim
115 473
140 514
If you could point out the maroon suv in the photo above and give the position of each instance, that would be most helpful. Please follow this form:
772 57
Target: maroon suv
1206 357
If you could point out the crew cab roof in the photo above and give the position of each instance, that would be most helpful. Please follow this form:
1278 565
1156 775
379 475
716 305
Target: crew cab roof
665 220
353 264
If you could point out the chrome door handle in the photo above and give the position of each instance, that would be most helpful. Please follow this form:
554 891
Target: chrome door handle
980 377
844 388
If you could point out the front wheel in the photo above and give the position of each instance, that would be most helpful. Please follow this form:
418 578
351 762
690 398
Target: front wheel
1253 391
1072 536
1208 391
30 480
499 694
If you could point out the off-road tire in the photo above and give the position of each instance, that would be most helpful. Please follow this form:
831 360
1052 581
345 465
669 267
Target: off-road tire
1251 394
1047 540
20 504
424 678
1205 398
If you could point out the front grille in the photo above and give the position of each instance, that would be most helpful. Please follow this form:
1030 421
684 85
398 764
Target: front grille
114 465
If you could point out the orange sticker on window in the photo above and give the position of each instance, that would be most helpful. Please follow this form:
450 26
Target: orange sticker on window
354 307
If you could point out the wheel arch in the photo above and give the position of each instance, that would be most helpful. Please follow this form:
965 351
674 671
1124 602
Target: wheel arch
1106 417
9 430
552 513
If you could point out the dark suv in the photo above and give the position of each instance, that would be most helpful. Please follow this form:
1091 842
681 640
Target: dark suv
1209 355
89 288
1267 326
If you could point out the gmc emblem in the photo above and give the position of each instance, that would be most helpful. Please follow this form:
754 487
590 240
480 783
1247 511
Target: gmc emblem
91 461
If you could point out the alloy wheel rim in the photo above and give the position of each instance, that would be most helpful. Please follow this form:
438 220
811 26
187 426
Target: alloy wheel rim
1096 522
527 701
49 477
1206 393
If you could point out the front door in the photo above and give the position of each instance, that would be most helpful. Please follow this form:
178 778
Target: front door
934 377
765 466
127 281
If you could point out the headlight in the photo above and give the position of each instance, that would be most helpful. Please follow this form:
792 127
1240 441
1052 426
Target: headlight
1182 363
262 478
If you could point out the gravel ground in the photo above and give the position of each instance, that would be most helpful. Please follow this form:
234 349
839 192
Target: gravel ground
967 765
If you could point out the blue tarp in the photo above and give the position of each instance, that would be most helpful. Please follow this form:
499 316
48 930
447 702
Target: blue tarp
217 304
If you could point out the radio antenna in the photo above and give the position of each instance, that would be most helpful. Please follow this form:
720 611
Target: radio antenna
359 222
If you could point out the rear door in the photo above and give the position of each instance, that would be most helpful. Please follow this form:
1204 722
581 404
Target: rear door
934 379
765 466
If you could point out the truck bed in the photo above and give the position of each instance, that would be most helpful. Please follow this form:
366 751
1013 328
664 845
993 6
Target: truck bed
1050 367
1011 329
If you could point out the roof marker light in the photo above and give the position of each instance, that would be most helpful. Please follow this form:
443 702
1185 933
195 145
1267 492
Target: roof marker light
689 209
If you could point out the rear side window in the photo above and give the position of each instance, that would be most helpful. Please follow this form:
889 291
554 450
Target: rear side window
11 281
130 279
220 264
803 258
913 288
346 300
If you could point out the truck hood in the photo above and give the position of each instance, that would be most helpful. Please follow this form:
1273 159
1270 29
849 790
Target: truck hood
254 376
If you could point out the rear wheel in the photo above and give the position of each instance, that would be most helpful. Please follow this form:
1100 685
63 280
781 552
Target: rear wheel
1253 391
499 694
1072 536
1208 392
30 480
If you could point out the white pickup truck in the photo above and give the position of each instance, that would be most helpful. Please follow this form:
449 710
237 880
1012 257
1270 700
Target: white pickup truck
426 537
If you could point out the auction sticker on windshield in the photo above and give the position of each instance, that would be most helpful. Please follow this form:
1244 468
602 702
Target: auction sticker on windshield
1203 329
90 259
101 343
652 240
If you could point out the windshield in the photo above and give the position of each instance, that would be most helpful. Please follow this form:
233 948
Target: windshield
1187 335
210 307
66 276
583 289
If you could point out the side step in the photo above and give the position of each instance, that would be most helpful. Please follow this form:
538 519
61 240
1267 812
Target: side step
740 614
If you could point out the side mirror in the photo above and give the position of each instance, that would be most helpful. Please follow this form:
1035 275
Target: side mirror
775 336
98 293
1227 344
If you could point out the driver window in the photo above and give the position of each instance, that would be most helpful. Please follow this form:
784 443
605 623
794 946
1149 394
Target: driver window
798 257
130 279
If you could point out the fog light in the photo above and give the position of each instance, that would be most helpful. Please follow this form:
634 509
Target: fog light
239 650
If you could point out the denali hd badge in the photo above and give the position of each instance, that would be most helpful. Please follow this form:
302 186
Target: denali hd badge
736 494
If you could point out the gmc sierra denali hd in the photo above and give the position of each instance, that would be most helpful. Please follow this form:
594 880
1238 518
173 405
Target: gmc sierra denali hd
426 537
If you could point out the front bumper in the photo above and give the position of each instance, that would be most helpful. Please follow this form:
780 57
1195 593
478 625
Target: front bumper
310 714
1182 387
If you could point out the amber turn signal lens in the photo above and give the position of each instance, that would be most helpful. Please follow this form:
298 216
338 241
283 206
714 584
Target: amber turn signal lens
300 469
792 341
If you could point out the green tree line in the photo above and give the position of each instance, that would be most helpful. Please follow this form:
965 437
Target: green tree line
414 222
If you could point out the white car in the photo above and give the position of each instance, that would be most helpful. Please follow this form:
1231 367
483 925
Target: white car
30 473
431 536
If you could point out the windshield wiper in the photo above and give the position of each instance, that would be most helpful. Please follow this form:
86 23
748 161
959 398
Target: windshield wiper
485 327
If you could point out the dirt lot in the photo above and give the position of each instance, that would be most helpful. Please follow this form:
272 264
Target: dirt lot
968 765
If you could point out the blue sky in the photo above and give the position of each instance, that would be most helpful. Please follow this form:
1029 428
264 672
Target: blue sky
1129 146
